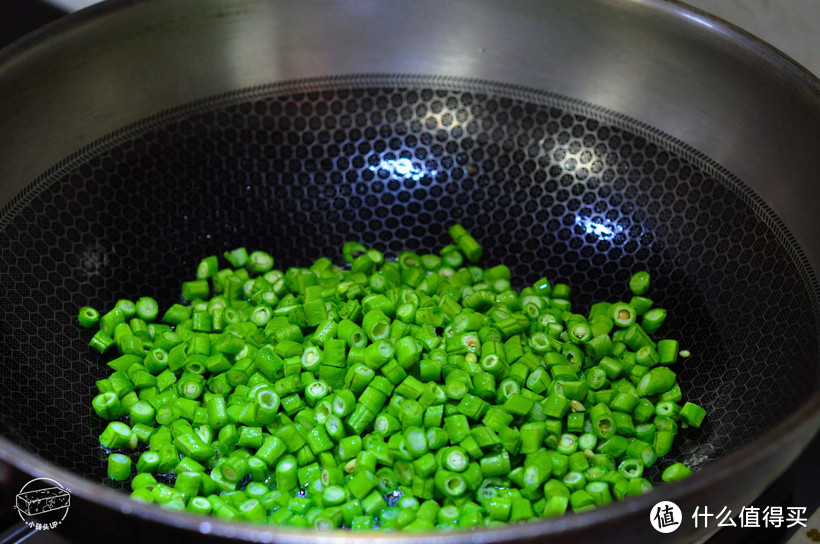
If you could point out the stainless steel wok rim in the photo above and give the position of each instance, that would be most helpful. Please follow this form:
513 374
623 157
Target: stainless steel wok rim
743 39
805 421
719 27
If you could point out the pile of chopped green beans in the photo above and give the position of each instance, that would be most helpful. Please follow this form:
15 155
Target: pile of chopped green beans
409 394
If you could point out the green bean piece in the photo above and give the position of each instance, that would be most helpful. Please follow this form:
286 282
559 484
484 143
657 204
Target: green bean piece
675 472
623 314
119 466
653 319
639 282
692 414
88 317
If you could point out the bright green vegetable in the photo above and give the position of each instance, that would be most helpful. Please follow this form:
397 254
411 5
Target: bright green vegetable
119 466
88 317
675 472
639 282
402 394
692 414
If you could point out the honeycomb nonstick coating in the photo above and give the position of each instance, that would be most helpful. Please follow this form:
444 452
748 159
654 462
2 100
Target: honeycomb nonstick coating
550 186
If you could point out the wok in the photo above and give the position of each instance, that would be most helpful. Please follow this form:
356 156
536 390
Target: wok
576 140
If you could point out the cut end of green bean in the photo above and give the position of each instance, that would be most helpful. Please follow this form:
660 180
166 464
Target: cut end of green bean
88 317
407 394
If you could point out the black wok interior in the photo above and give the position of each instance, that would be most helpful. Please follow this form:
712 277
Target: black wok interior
550 186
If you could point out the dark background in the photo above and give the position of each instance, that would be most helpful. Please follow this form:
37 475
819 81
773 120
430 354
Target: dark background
19 17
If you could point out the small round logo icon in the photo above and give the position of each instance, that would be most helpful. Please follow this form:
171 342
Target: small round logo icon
665 517
42 503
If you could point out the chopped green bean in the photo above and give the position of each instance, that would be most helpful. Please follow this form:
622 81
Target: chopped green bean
389 395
